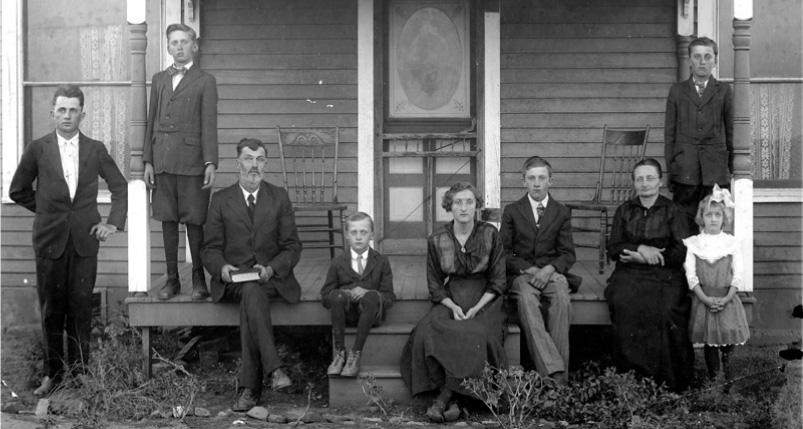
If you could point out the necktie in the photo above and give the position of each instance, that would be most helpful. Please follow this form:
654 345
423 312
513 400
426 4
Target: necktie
540 210
251 206
172 70
360 267
700 88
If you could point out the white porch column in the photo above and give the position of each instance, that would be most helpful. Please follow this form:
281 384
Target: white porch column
365 107
139 243
742 163
11 91
685 18
491 120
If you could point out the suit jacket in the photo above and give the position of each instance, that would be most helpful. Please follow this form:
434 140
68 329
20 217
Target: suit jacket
57 217
526 245
271 240
376 276
181 135
698 133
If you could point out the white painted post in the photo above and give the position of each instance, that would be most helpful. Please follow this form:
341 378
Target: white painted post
365 107
139 243
11 91
742 163
685 19
491 122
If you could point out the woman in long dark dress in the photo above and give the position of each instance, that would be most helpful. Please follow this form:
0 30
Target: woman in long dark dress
647 292
465 327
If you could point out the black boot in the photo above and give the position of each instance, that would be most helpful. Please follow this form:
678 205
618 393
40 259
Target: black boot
199 291
172 287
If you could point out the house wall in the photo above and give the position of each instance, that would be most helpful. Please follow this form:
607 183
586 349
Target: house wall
571 66
777 280
283 63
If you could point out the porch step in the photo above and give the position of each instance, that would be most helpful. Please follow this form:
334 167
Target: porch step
381 356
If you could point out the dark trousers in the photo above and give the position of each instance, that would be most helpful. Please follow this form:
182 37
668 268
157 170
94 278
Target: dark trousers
65 287
688 197
365 313
259 355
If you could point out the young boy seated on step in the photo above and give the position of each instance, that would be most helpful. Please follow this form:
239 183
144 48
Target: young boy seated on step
358 290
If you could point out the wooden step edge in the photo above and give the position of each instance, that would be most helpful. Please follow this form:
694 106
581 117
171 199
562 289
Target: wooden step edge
376 371
407 327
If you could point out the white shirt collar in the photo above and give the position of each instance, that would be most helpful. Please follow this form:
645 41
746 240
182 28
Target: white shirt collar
62 141
187 66
246 194
705 84
354 254
534 203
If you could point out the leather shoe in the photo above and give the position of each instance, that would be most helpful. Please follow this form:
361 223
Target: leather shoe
337 363
352 367
247 400
45 388
170 289
199 291
435 411
280 380
452 413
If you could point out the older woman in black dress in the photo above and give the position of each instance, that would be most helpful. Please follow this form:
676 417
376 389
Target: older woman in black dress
465 327
647 293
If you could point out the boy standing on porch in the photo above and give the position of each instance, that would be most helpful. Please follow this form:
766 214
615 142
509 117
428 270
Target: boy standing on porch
358 290
67 229
698 131
180 154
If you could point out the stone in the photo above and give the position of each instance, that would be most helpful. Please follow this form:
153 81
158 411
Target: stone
155 414
415 423
460 424
259 413
294 414
225 413
42 407
334 418
277 418
312 417
201 412
396 420
372 419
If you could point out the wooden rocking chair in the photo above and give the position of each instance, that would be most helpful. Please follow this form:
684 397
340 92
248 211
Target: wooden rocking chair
309 159
621 149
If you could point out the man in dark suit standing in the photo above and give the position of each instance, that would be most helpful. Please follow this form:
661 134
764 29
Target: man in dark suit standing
251 226
698 131
537 236
180 153
67 229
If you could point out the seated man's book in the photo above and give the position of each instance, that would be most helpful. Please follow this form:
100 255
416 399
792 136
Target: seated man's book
249 275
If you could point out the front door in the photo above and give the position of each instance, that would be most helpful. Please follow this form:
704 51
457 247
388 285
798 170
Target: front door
429 140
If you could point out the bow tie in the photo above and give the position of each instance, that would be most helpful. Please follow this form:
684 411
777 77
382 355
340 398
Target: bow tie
172 70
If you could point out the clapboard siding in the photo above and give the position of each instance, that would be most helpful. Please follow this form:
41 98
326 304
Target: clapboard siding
777 270
569 67
283 63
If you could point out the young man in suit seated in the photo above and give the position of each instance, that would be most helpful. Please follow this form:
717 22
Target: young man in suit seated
536 233
67 229
251 226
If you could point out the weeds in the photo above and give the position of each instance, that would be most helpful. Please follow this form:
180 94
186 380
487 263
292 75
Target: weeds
513 395
113 386
374 392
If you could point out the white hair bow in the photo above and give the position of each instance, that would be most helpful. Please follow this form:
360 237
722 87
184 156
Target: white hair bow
722 196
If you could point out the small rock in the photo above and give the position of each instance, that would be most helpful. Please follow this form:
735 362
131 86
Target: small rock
12 407
396 420
461 424
155 414
225 413
348 423
312 417
294 414
415 423
259 413
42 407
372 419
201 412
277 418
333 418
